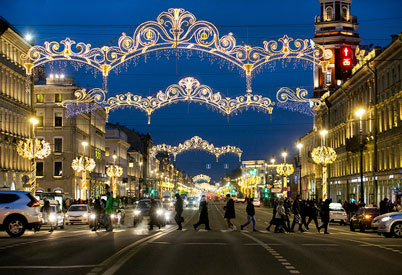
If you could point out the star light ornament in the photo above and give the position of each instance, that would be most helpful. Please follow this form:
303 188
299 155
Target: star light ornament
83 165
33 149
114 172
196 143
323 156
178 29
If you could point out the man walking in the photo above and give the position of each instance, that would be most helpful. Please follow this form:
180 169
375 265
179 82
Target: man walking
179 210
273 220
203 214
297 215
250 215
230 212
325 216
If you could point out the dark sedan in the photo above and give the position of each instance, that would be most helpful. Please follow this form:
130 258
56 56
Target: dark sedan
142 211
363 217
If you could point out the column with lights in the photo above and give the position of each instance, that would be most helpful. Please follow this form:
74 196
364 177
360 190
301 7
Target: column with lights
114 172
300 146
359 113
33 149
285 170
323 156
83 165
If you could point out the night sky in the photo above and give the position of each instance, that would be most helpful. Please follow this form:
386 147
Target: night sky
259 135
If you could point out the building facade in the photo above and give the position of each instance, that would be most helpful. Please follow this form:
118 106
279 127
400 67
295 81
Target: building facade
15 107
66 135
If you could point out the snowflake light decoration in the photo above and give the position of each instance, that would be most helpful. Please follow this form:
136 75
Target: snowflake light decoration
33 148
196 143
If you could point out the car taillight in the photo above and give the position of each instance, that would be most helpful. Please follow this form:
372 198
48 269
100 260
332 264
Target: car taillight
33 203
344 214
330 213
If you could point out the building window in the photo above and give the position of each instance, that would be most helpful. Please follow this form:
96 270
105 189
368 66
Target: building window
57 98
39 169
40 120
98 153
58 119
345 13
107 151
40 98
329 13
328 77
58 145
58 169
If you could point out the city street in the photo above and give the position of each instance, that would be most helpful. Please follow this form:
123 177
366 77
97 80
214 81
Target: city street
131 250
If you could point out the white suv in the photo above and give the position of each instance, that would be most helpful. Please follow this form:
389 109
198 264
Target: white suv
19 211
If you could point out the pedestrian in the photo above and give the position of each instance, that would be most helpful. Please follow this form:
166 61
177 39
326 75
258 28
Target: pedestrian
273 220
280 217
203 219
325 216
287 205
46 214
313 213
250 215
230 212
153 215
108 212
297 215
384 206
97 211
179 210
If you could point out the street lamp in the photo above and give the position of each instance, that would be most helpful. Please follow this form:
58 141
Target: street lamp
300 146
360 112
114 172
84 165
32 149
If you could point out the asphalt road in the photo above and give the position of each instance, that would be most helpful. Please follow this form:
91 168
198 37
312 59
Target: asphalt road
128 250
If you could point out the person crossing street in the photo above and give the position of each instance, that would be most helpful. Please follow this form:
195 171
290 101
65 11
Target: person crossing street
203 214
250 215
179 210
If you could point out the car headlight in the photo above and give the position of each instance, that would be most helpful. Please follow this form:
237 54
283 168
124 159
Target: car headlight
93 216
137 212
159 212
385 219
85 215
52 217
113 216
167 216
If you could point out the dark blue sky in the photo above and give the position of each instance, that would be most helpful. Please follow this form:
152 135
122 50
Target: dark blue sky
258 134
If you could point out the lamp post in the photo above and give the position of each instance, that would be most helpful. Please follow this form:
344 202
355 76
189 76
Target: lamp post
285 170
32 149
84 165
114 172
360 112
323 156
300 146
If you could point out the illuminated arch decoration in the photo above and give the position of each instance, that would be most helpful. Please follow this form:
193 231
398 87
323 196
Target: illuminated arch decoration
297 100
202 177
196 143
177 29
206 187
188 89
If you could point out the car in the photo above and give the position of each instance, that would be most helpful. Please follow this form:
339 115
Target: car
389 224
363 217
337 213
56 216
257 202
19 211
191 202
77 213
142 211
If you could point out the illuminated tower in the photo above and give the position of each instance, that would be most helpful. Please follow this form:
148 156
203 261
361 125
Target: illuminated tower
336 30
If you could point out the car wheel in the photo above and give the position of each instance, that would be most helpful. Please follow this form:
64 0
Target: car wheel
62 226
361 227
352 228
15 227
397 230
387 235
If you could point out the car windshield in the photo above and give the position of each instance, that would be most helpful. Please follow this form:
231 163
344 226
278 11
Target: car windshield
78 208
372 211
144 204
190 198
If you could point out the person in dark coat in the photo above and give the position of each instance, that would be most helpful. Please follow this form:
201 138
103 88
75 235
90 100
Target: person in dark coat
179 210
230 212
203 214
46 214
250 215
97 211
325 216
384 206
273 220
297 215
153 215
287 205
312 211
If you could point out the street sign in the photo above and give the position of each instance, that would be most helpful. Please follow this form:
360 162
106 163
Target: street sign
276 190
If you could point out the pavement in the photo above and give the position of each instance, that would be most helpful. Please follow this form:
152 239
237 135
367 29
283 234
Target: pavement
129 250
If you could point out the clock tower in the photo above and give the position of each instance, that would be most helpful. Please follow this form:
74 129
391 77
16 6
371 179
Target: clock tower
336 31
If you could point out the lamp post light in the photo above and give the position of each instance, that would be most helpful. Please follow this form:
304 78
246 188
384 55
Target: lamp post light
300 146
285 170
360 112
84 165
114 172
32 149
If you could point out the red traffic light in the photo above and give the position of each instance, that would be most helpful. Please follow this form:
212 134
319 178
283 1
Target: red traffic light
346 57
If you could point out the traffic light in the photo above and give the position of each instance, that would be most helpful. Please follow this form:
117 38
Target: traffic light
266 190
152 191
344 62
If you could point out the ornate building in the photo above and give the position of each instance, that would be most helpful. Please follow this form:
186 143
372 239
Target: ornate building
66 135
15 106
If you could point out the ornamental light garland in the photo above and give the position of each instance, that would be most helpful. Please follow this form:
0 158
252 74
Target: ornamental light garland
178 29
202 177
83 165
114 172
196 143
323 156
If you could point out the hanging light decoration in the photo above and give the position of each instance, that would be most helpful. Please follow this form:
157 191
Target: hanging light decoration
114 172
202 177
83 165
323 156
178 29
196 143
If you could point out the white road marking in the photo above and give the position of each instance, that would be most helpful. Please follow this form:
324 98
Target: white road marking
206 243
160 243
45 266
319 244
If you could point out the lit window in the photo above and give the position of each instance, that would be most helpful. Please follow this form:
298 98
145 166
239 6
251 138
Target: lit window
58 119
329 13
58 145
58 169
40 98
40 120
345 13
107 151
57 98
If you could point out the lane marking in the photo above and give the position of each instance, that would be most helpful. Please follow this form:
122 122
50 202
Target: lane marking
205 243
45 266
319 244
160 243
